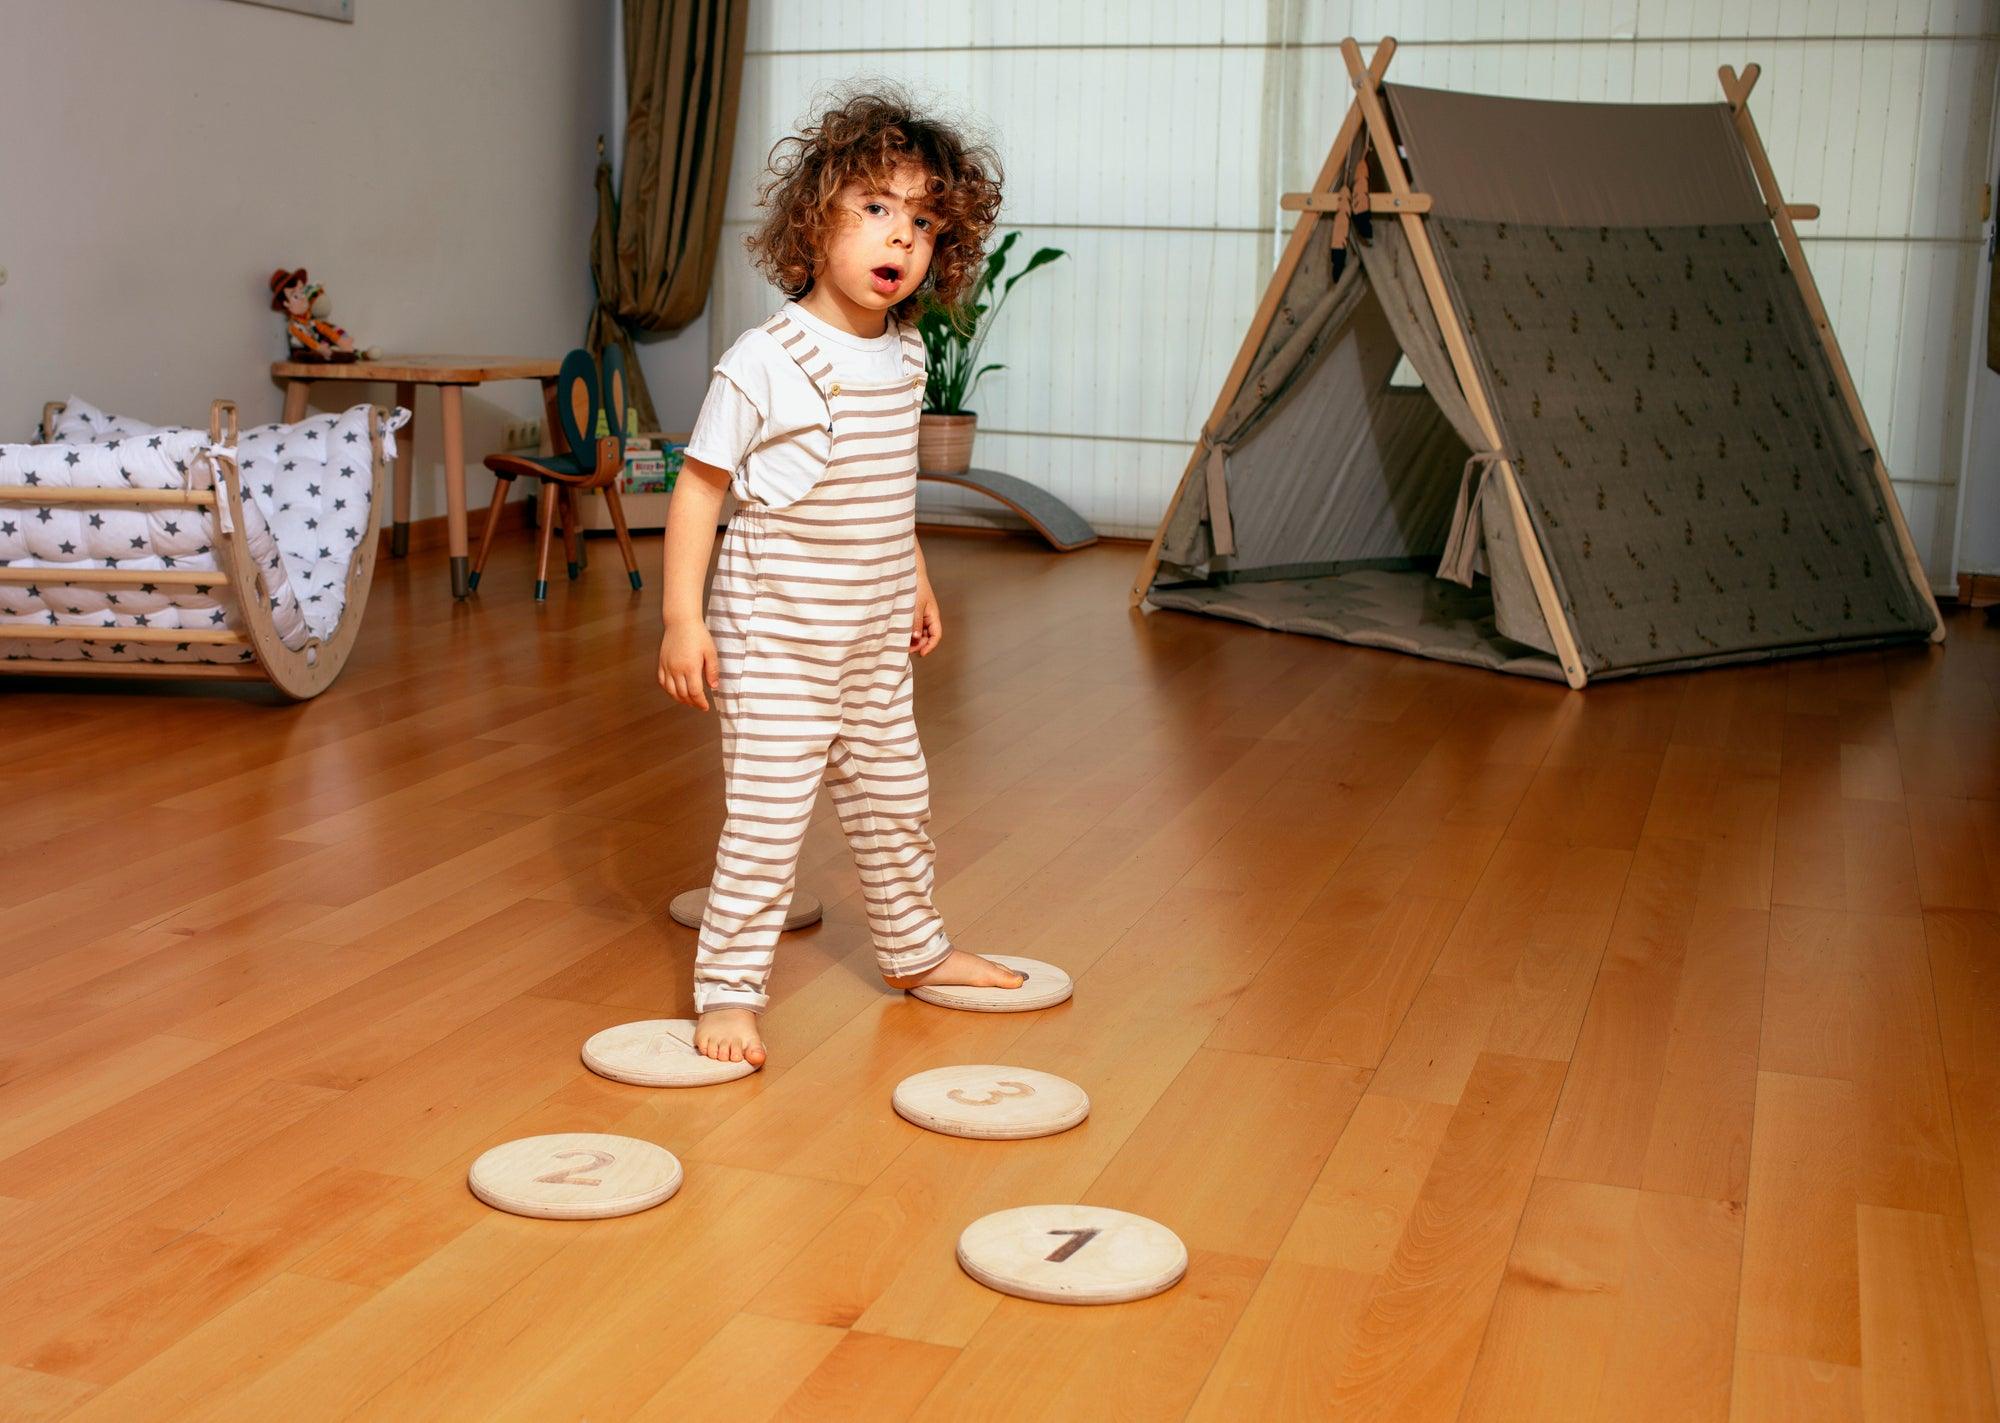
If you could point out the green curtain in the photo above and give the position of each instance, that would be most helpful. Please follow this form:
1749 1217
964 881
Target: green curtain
653 249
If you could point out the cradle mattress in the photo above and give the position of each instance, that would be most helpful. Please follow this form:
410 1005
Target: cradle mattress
307 489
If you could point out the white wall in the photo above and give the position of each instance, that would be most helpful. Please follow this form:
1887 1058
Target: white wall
430 163
1152 138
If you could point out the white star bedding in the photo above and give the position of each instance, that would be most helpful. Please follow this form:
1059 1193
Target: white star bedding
307 489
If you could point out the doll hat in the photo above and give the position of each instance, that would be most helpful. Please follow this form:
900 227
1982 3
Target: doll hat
280 281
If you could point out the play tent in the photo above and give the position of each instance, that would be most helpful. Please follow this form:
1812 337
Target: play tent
1546 388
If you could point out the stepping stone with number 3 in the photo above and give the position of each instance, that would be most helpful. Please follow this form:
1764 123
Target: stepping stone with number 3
1072 1254
991 1103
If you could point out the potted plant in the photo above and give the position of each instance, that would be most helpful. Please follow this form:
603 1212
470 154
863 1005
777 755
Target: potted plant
954 334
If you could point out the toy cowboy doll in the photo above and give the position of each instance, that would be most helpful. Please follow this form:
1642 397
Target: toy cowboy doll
311 339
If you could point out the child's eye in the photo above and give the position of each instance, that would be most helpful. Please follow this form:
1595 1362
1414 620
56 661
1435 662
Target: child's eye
874 209
925 223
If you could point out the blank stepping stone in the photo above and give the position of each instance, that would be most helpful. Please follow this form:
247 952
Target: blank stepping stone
658 1052
1072 1254
688 907
575 1176
1047 986
991 1103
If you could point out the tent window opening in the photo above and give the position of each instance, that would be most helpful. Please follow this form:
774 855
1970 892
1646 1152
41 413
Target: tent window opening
1404 376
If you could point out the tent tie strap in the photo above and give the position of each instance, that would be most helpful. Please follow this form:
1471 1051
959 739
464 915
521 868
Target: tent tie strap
1221 532
1461 549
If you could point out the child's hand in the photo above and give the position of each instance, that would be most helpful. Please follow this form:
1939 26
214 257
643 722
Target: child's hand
687 664
928 629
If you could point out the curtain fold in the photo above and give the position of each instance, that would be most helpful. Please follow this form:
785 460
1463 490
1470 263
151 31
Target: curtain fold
653 249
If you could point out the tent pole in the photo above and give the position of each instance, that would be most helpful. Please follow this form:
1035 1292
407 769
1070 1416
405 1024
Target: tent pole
1365 86
1267 311
1737 90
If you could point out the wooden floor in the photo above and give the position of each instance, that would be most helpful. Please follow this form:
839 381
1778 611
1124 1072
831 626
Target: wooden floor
1498 1051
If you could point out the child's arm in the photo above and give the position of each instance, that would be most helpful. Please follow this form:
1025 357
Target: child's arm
687 652
928 628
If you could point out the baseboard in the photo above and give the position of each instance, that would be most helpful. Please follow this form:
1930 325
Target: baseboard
1978 590
433 535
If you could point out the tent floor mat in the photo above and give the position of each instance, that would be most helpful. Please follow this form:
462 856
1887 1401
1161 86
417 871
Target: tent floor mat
1400 610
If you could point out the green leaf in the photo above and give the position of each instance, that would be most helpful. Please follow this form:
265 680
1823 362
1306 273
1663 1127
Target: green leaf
996 262
953 335
1041 259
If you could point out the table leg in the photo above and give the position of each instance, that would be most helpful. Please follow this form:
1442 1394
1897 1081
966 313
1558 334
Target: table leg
296 392
451 406
406 451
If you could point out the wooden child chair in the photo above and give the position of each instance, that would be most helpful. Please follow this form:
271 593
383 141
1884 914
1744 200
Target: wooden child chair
585 461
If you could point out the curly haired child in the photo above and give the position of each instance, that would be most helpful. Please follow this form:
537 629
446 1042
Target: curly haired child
820 594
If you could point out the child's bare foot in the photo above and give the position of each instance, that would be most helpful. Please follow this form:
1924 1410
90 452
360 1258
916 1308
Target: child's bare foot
965 970
729 1035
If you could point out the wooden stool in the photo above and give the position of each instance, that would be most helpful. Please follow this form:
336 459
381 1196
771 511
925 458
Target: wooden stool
585 461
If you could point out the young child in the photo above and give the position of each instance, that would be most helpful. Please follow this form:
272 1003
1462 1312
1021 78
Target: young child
820 591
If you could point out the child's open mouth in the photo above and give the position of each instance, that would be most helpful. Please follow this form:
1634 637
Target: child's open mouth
887 278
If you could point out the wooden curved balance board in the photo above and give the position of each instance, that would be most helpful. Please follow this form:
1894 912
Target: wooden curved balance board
1062 526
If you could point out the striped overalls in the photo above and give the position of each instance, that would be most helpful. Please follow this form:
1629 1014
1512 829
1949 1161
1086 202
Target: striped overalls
811 611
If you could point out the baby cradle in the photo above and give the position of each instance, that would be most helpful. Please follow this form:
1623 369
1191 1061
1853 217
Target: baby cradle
137 551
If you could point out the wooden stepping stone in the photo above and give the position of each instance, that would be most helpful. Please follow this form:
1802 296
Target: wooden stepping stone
1047 986
688 907
658 1052
991 1103
575 1176
1072 1254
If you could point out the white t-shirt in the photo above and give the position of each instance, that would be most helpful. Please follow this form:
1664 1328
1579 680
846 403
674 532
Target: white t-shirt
766 422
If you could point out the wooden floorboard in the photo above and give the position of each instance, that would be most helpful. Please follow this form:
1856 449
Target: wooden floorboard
1498 1051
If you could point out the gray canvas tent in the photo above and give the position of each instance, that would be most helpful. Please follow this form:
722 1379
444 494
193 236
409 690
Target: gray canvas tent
1546 388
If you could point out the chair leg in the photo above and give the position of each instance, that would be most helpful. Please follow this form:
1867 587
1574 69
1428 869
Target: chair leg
617 508
547 531
503 485
571 534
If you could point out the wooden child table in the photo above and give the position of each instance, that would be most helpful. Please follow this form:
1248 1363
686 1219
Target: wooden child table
450 374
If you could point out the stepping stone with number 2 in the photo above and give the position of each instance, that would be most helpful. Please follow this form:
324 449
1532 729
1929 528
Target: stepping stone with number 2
575 1176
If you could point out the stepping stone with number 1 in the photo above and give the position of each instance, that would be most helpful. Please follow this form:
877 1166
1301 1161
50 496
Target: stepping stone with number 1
1072 1254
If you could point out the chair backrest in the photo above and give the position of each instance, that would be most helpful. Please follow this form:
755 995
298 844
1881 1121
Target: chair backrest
577 403
615 400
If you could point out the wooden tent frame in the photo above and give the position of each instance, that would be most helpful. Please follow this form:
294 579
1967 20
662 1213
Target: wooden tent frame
1366 113
299 673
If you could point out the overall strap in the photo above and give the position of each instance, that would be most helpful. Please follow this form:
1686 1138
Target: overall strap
800 346
913 349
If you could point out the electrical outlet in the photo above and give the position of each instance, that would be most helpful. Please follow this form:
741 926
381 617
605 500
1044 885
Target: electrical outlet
522 434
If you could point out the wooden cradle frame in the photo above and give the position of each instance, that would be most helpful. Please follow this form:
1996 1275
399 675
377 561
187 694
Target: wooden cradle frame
300 673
